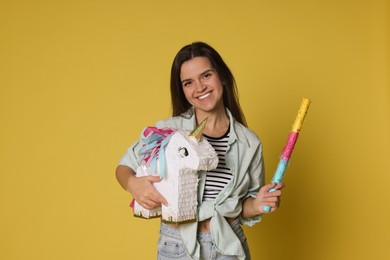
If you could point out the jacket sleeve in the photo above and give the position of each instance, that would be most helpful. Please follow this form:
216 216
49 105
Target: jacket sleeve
256 173
131 158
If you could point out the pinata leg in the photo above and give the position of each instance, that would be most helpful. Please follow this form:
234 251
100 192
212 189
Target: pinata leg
141 212
182 207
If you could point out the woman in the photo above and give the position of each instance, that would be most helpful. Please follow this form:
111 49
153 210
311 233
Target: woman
203 86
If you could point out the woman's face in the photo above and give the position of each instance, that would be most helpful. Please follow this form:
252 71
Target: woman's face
202 85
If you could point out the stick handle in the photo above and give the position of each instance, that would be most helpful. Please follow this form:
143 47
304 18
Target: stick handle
278 176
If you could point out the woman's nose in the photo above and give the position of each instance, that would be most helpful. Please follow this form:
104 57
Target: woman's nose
200 86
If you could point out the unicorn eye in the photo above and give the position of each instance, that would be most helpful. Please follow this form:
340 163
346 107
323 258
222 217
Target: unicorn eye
183 152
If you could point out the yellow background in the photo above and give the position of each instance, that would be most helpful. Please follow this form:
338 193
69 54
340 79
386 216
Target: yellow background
80 79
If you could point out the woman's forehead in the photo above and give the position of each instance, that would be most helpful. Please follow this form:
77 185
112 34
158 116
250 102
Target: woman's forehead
195 67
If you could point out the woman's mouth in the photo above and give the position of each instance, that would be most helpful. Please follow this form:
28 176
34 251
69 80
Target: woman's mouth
204 96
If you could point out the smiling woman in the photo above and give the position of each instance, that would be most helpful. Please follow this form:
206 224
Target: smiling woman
202 86
79 79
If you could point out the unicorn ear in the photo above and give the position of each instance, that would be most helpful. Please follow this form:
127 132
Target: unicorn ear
197 132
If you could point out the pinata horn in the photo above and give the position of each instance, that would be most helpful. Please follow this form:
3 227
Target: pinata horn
197 132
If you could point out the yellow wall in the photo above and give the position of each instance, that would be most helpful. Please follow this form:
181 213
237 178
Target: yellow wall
80 79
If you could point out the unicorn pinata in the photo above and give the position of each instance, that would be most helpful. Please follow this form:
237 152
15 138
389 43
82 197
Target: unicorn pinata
176 156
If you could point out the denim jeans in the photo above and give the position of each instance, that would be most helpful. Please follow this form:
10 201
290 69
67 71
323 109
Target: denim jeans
170 245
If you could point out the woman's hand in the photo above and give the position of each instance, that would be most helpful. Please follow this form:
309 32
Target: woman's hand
265 198
254 206
144 192
141 188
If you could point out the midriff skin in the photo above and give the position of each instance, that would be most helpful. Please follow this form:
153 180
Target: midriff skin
204 226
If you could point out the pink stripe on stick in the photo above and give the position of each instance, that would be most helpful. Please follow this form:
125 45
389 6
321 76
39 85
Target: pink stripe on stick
288 148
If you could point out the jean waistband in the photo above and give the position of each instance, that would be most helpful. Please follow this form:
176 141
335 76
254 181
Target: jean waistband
175 233
169 230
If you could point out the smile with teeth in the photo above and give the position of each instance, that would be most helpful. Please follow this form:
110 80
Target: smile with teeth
204 96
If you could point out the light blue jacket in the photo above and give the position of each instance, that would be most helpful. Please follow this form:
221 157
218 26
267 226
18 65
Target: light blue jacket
244 158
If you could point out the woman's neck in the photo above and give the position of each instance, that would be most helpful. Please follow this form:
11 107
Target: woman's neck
217 122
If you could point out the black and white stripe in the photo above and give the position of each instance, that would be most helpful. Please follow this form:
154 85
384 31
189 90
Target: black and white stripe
218 178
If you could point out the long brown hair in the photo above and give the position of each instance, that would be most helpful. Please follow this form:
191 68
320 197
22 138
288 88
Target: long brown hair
230 92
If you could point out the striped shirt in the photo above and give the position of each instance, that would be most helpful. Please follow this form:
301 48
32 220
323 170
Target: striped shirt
218 178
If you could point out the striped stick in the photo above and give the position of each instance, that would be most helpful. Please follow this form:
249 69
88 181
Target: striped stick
288 148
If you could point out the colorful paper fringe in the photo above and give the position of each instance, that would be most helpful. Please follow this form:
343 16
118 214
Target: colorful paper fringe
155 139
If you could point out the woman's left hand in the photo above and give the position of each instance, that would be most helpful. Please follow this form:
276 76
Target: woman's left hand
266 198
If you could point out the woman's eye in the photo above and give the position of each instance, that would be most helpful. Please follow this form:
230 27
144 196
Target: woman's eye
186 84
207 75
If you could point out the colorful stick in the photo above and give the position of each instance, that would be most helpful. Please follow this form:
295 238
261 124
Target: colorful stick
288 148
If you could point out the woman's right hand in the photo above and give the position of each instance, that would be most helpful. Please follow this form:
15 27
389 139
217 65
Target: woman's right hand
141 188
144 192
